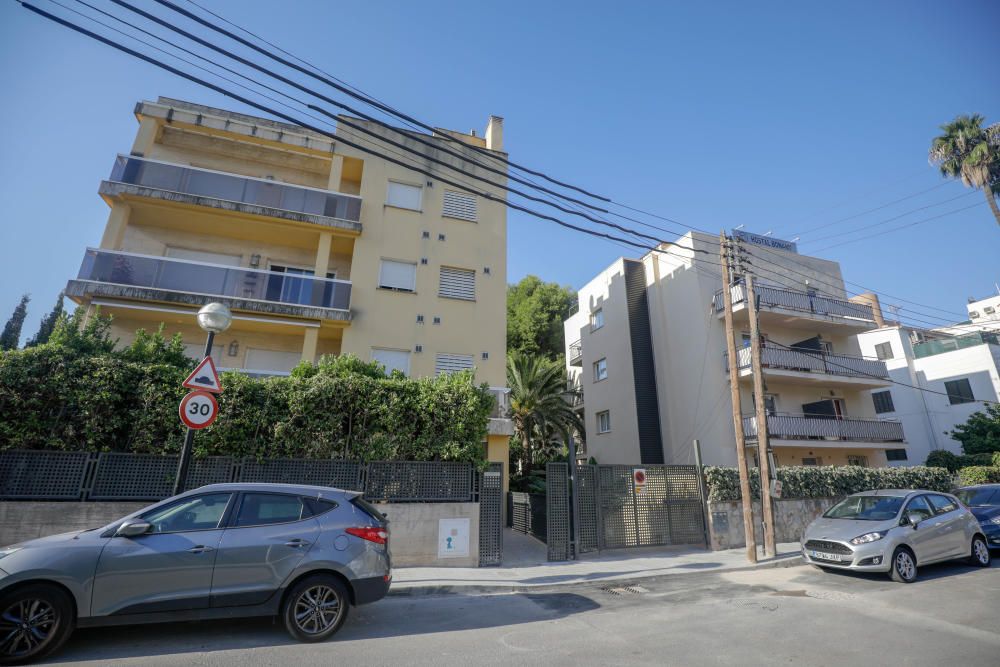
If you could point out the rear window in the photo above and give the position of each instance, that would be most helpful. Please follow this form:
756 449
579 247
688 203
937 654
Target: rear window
317 506
368 509
261 509
979 497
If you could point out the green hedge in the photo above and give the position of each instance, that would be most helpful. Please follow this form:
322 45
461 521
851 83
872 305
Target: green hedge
979 475
827 481
941 458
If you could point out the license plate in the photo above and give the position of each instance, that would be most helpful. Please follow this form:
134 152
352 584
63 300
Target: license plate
824 556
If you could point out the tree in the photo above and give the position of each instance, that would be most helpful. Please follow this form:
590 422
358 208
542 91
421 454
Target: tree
538 405
47 325
11 336
535 314
980 434
971 152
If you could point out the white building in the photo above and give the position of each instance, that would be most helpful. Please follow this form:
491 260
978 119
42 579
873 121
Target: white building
647 350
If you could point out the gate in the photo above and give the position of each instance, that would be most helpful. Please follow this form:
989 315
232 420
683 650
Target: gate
613 512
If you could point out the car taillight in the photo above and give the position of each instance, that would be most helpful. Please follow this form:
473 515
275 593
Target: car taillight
370 533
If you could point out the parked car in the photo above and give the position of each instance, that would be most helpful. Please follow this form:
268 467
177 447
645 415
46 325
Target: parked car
894 531
983 500
302 553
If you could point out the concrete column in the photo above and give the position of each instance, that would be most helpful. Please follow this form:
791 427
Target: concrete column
309 342
323 254
145 137
114 231
336 170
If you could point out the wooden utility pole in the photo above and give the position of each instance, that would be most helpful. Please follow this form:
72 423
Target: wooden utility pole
734 389
763 441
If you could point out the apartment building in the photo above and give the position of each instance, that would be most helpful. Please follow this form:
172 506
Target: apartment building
318 248
942 379
647 350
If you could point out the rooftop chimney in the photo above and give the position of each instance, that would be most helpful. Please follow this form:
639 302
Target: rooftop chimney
494 133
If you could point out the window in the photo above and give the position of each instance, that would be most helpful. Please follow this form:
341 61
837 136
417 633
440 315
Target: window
459 205
600 370
884 351
959 391
457 283
770 404
401 276
989 310
604 422
857 460
895 454
261 509
403 195
974 314
317 506
197 513
202 256
883 402
597 319
295 285
393 360
452 363
812 461
942 504
919 507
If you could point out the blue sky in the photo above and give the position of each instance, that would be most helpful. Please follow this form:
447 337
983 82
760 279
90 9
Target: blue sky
778 116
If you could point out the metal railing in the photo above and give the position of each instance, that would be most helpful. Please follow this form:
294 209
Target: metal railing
181 275
776 297
576 353
501 409
813 361
787 427
231 187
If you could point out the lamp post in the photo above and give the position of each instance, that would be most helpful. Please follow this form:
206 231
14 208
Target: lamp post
213 318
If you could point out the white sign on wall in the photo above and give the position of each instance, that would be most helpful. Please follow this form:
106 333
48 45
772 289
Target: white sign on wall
453 538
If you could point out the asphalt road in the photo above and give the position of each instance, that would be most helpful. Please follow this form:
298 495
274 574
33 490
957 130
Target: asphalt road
796 615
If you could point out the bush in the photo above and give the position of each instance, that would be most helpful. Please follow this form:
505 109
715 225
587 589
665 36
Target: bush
979 475
941 458
827 481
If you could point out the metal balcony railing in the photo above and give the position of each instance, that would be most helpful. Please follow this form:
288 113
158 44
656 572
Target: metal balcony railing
786 427
177 275
234 188
576 353
815 362
776 297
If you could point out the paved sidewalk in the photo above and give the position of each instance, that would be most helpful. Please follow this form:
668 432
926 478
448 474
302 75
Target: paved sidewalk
525 567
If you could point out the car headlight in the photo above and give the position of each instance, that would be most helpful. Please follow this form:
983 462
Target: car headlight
995 520
6 551
870 537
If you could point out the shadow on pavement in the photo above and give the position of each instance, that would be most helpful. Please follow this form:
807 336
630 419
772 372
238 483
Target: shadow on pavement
924 573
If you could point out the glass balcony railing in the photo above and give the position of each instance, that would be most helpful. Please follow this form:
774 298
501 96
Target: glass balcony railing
501 410
941 345
176 275
234 188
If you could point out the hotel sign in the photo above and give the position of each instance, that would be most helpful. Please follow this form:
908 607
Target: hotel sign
766 241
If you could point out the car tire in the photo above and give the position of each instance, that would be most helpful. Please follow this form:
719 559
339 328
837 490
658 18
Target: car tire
903 568
35 621
980 552
315 608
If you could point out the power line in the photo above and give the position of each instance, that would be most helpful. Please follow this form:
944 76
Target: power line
910 224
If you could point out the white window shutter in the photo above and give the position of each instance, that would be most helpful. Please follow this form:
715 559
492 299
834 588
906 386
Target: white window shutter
460 205
452 363
393 360
397 275
271 360
457 283
404 195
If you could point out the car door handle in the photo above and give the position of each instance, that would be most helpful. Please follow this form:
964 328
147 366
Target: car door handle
297 542
200 549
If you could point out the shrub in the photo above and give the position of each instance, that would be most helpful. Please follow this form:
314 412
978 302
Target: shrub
827 481
979 475
941 458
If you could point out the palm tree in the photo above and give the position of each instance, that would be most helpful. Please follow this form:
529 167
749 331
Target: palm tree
971 152
538 402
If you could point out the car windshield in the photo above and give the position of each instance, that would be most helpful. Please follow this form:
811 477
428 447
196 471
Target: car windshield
866 508
979 497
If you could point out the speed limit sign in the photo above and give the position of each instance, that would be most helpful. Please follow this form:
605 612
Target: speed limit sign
198 409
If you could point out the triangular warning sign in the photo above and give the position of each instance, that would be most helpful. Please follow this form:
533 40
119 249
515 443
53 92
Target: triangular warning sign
204 377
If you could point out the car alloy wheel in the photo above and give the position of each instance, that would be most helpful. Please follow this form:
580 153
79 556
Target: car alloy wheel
980 552
317 609
904 568
26 627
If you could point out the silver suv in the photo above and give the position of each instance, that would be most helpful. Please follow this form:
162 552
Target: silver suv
304 553
894 531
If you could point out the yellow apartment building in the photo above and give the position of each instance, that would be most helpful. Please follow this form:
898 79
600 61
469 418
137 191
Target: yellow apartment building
317 247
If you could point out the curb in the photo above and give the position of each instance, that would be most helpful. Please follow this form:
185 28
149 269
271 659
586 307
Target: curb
434 590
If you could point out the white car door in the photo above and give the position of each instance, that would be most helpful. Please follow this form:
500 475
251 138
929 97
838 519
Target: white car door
952 528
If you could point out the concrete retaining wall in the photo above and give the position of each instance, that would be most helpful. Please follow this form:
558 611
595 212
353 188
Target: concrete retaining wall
414 533
21 521
790 520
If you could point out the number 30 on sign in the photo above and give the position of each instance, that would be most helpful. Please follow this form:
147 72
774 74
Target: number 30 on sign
198 409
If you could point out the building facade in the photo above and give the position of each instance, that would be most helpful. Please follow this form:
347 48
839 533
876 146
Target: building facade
647 350
318 248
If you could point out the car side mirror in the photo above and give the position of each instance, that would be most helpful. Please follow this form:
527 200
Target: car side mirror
913 519
133 528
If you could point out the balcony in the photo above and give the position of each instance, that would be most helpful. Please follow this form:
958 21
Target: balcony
799 310
500 422
190 185
814 431
144 277
941 345
576 354
813 367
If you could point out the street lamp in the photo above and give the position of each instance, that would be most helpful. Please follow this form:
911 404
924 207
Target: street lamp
213 318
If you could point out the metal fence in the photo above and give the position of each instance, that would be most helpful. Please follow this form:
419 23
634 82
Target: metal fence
490 495
526 513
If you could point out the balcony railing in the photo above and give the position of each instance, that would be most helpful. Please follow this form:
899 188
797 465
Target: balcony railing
814 362
784 427
501 410
239 189
177 275
776 297
942 345
576 353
